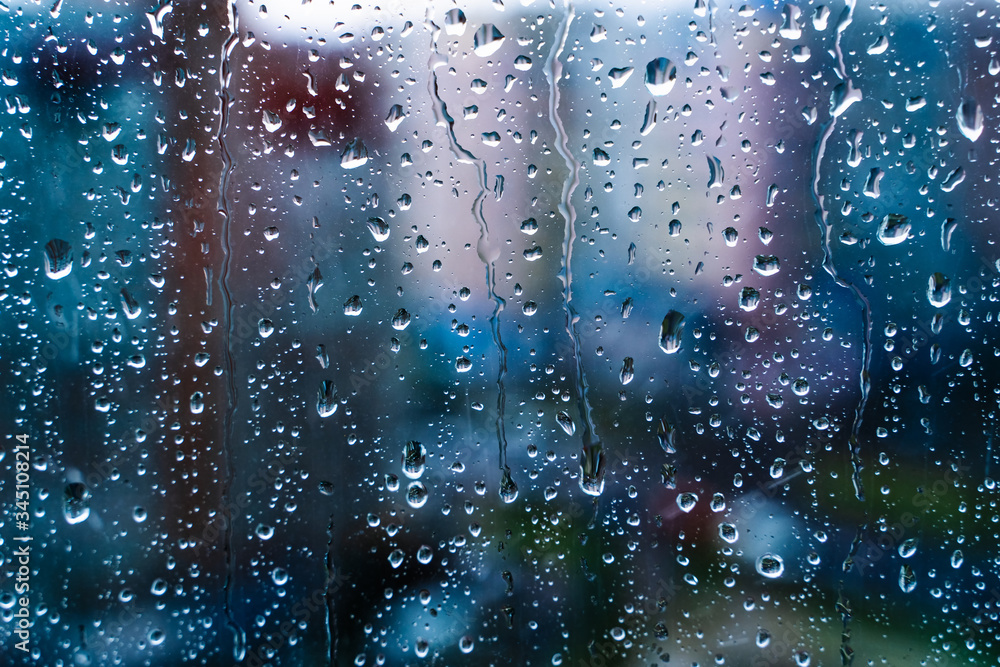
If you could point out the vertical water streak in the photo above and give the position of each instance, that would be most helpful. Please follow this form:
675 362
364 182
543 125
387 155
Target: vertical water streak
837 107
488 253
332 635
225 74
553 72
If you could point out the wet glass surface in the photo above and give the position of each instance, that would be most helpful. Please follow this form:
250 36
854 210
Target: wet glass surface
500 333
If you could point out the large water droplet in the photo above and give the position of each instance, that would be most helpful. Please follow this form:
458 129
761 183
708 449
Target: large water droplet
907 580
619 75
401 319
379 228
749 299
566 422
770 565
76 503
686 501
355 155
508 489
938 290
414 456
58 259
353 306
416 494
592 470
970 119
729 533
487 41
661 74
326 401
766 265
454 22
894 229
671 332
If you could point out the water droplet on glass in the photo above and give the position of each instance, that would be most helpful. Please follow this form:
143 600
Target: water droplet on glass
454 22
770 565
628 372
353 306
272 122
894 229
265 327
395 117
728 532
686 501
907 580
592 470
58 259
566 422
970 119
326 401
671 332
379 228
416 494
508 489
414 456
76 503
938 290
749 299
400 320
487 41
766 265
355 155
731 236
619 75
661 74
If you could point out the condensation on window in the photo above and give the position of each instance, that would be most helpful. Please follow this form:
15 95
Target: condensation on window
500 333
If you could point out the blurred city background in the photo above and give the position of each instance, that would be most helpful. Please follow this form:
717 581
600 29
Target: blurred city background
502 332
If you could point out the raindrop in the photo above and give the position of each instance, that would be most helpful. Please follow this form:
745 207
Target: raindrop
76 503
353 306
58 259
671 332
907 580
749 299
686 501
970 119
661 74
770 565
327 400
628 372
566 422
894 229
487 41
401 320
766 265
379 228
414 456
938 290
416 495
355 155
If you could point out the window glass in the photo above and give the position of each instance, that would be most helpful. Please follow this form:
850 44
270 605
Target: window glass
501 332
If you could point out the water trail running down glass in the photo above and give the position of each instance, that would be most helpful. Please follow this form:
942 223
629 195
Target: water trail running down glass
488 253
553 72
225 75
843 97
